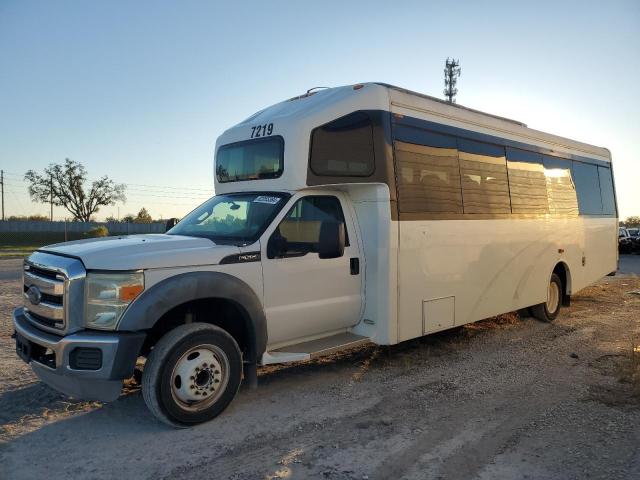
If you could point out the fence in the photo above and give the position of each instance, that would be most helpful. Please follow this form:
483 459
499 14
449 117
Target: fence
41 233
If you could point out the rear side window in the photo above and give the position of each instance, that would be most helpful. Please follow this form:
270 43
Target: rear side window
561 190
588 188
485 185
343 147
250 160
429 175
606 191
527 183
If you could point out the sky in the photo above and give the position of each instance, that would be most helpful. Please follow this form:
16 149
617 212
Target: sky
139 90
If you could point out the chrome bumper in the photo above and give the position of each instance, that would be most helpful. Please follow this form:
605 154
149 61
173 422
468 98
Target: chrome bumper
118 351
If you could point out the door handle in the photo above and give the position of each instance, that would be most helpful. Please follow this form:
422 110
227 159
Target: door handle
354 265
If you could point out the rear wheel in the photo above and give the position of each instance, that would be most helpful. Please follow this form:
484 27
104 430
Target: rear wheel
548 311
192 374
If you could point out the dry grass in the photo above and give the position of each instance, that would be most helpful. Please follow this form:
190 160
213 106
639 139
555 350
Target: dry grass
631 372
28 423
505 320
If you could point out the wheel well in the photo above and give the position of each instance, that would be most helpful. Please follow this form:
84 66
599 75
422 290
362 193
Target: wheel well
562 271
221 312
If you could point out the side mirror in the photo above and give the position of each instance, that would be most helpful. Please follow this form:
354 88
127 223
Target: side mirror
276 245
332 240
172 222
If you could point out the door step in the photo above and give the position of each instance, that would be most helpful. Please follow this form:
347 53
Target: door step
314 348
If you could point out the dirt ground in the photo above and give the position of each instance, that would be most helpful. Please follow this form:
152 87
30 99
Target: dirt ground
504 398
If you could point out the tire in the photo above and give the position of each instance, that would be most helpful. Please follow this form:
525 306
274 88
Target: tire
192 374
548 311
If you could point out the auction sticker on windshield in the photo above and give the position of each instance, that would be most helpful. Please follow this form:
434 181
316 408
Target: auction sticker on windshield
267 199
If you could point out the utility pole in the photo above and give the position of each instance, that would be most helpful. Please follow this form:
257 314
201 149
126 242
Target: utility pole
452 71
51 195
2 188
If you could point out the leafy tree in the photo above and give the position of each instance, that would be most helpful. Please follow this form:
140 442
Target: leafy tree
129 218
64 184
633 221
143 216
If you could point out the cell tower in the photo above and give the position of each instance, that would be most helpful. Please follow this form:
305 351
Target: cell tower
452 71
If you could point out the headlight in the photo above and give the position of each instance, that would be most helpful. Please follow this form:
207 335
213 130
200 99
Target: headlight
108 295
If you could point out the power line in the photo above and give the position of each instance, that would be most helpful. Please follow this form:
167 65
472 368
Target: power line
198 187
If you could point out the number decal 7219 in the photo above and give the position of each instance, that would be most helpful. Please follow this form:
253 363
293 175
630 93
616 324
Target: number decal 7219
262 130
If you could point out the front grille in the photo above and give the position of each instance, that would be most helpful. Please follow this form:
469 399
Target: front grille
54 299
42 320
44 296
41 272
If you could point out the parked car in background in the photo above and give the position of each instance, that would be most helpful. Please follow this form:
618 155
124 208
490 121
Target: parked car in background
634 237
624 241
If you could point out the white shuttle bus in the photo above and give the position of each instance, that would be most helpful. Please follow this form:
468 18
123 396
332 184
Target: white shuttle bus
364 213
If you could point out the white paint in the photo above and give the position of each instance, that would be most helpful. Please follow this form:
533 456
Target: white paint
307 295
415 276
495 266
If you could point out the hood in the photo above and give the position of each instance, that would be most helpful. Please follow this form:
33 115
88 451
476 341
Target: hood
134 252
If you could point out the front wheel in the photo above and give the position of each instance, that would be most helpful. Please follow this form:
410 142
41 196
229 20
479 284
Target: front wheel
192 374
548 311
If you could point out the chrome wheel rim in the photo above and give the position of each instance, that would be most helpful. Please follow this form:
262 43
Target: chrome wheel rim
553 297
199 377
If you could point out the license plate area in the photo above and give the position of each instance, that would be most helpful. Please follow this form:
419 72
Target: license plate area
29 351
23 348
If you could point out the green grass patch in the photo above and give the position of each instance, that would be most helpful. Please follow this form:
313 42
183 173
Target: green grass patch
16 251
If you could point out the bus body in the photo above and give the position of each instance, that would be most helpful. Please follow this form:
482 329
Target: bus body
364 213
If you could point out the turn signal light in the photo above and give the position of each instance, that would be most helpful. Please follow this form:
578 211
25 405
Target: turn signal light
129 292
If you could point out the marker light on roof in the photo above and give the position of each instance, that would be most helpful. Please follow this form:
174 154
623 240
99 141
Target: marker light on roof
358 86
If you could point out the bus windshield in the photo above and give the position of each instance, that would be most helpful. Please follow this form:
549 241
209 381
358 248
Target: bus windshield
237 219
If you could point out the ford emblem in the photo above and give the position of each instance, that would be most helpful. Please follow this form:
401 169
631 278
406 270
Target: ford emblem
34 294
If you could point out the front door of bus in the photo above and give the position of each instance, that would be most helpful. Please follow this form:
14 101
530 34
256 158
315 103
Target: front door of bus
306 295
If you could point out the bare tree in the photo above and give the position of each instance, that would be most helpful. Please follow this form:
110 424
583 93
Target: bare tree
63 185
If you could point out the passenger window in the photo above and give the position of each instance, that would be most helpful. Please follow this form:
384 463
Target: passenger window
561 190
588 188
343 147
429 179
299 232
606 190
485 185
527 183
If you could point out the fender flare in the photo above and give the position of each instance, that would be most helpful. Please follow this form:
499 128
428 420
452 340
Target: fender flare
152 304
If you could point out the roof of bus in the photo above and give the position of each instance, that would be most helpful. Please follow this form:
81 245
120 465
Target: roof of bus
316 107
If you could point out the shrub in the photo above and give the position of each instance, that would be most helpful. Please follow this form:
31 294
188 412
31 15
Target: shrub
100 231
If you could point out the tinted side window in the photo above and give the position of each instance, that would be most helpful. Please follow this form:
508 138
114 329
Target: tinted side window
588 188
250 160
485 185
343 147
606 191
527 183
300 229
561 190
429 175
